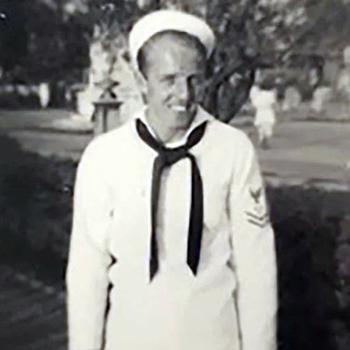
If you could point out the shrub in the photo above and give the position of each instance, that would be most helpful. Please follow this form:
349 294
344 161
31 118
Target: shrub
14 101
35 202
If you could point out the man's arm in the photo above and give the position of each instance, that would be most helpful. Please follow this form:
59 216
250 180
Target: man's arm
86 276
254 257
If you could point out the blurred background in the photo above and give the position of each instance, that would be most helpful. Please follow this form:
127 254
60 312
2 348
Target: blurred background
280 72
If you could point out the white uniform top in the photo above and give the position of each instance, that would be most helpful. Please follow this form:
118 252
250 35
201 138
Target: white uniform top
230 304
263 101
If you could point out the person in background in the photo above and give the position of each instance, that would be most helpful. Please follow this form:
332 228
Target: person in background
263 98
171 246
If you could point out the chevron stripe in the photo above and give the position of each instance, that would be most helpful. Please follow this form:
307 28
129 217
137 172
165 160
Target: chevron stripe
257 217
259 224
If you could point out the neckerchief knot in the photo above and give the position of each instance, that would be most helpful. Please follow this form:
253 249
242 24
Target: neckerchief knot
171 156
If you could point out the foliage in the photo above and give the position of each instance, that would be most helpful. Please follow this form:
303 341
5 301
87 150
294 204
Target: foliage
35 202
311 228
13 36
39 44
14 100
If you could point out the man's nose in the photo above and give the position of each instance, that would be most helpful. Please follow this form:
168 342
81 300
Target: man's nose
183 89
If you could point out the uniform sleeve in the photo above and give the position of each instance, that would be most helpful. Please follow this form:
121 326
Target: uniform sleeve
88 262
254 257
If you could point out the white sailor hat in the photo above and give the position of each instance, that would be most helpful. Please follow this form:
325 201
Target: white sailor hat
164 20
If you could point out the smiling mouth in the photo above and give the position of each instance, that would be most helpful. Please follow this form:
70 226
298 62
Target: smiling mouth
179 108
191 107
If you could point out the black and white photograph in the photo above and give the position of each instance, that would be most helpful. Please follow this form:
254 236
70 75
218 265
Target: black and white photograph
174 175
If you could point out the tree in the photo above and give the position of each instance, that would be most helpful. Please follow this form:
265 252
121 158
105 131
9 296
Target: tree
39 43
13 35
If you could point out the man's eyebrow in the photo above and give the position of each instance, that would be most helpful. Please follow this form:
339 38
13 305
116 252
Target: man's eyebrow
167 76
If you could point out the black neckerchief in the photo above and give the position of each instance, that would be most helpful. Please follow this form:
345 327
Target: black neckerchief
167 157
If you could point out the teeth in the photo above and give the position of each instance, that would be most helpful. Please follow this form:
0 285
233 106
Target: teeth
179 108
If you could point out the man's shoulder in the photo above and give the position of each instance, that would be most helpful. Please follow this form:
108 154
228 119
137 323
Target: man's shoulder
228 135
221 131
110 142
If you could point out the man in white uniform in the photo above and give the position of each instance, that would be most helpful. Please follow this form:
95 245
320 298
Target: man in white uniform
171 244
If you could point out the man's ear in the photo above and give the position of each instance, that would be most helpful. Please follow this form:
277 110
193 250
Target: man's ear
141 82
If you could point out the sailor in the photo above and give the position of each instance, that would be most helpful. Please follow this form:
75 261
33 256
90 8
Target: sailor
171 245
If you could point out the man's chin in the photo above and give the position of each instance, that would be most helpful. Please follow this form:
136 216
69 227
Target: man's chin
183 119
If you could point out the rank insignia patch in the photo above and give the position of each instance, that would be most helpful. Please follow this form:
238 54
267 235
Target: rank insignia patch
257 213
260 220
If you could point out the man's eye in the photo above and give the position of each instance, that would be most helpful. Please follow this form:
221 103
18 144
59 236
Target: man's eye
168 80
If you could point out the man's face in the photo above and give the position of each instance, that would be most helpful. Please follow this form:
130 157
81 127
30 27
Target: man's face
174 82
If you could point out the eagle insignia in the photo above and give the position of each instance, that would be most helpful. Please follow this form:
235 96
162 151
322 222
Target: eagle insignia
256 194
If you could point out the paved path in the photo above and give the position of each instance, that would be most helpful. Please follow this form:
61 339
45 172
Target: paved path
32 315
